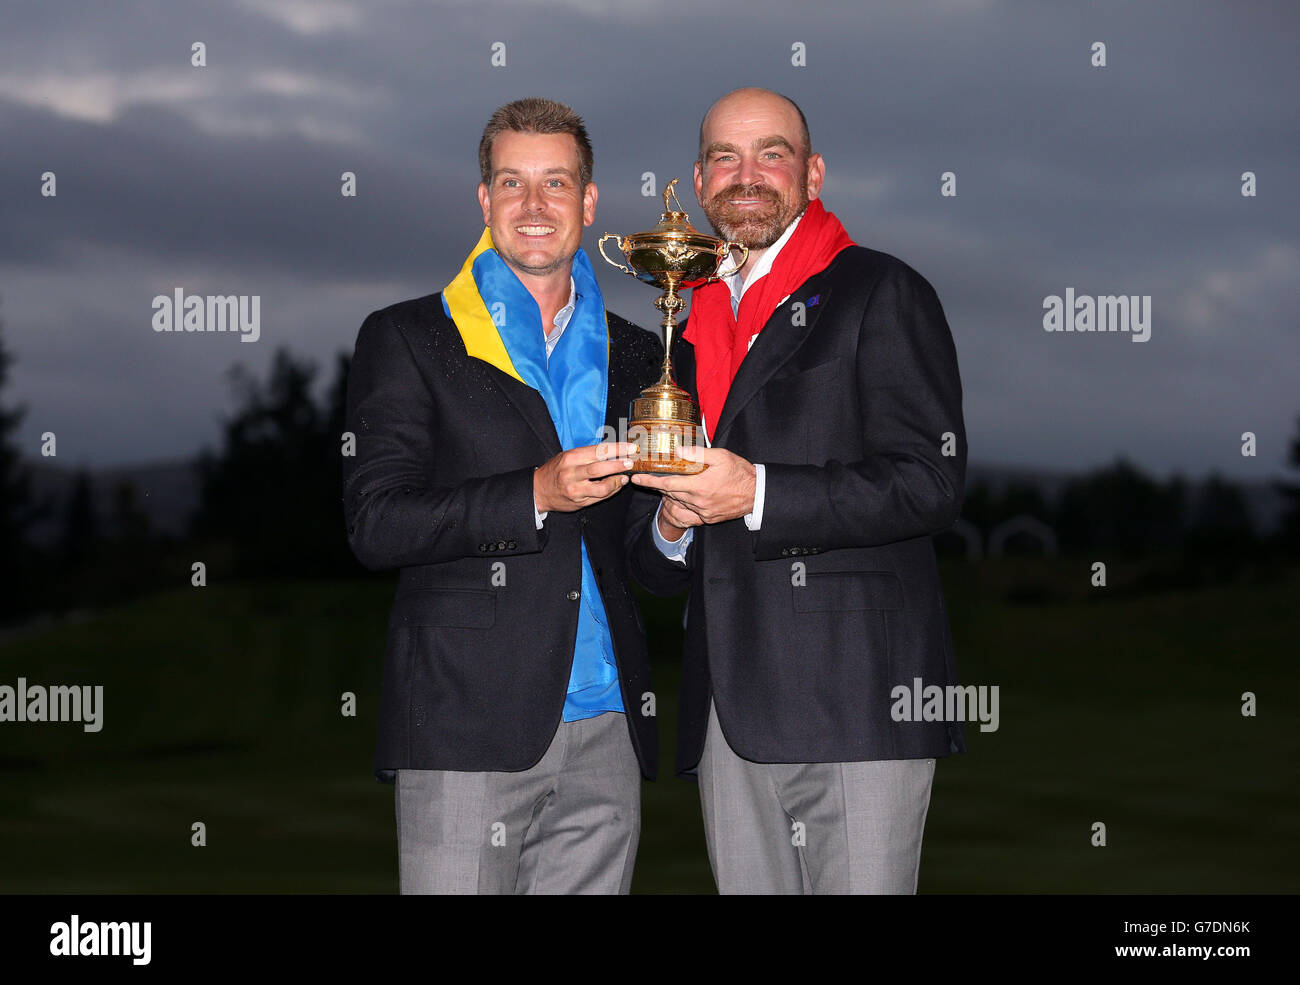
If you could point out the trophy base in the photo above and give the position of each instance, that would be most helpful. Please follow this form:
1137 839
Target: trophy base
657 443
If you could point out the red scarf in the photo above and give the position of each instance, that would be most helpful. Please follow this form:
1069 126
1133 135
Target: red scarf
721 339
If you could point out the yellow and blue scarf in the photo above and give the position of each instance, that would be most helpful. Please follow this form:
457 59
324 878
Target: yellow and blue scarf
501 324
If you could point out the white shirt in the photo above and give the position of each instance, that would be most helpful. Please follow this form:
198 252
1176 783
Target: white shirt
561 321
762 266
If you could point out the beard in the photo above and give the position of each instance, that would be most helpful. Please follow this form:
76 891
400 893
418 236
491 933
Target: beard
561 262
757 228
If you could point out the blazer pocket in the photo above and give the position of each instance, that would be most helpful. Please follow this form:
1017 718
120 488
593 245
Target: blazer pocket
848 591
810 382
462 608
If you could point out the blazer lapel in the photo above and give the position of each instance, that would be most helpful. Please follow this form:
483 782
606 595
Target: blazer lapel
532 407
776 343
528 402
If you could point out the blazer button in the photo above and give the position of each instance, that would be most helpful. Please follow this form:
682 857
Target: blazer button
511 545
574 595
785 552
501 545
482 548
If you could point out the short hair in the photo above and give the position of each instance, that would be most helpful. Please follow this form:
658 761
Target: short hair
535 116
803 120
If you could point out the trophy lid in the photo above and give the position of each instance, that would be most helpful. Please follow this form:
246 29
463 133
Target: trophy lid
674 226
674 254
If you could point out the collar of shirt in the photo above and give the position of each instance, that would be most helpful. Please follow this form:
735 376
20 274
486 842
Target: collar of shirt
761 267
561 320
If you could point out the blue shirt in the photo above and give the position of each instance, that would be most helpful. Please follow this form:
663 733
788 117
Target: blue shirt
593 679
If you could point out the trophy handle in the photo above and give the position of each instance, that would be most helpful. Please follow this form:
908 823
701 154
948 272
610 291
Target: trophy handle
728 247
614 236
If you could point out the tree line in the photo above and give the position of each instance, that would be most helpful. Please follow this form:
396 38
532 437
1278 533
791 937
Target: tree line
270 505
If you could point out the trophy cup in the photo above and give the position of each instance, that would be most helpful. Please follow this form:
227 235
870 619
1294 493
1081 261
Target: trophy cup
670 256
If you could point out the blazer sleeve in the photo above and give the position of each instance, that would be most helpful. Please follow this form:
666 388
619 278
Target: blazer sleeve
651 570
396 512
909 393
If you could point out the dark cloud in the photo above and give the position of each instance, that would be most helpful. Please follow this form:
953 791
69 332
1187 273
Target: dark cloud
225 180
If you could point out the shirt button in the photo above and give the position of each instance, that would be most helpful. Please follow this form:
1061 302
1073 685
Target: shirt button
573 596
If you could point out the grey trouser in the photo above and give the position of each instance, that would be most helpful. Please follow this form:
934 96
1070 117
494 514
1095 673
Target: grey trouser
569 824
812 827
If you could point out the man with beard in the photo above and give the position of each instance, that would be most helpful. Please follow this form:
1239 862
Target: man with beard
829 391
510 717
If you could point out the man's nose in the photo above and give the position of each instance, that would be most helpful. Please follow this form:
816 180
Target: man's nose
533 201
749 173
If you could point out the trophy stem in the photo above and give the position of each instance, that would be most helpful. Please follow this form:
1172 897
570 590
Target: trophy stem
670 323
670 302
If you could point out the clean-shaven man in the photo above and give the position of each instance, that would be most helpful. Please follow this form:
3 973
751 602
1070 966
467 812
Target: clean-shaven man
828 384
515 672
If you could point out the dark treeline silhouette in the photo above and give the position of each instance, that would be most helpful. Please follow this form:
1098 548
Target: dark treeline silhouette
18 509
272 495
1155 536
1120 510
270 504
1289 534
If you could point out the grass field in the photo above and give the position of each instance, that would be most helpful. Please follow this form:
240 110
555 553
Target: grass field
221 705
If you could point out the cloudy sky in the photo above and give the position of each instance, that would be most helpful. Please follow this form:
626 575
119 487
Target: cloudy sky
225 180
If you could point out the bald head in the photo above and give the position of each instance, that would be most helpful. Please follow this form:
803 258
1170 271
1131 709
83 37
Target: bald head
751 101
756 171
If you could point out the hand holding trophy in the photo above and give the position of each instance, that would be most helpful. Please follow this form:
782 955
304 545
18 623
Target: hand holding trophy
670 256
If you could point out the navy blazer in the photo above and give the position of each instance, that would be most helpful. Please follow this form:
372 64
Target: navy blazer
800 630
481 634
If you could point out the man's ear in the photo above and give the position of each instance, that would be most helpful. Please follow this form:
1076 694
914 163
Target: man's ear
485 203
816 175
589 204
699 183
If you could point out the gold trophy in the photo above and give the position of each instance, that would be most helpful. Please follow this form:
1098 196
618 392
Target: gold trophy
674 254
